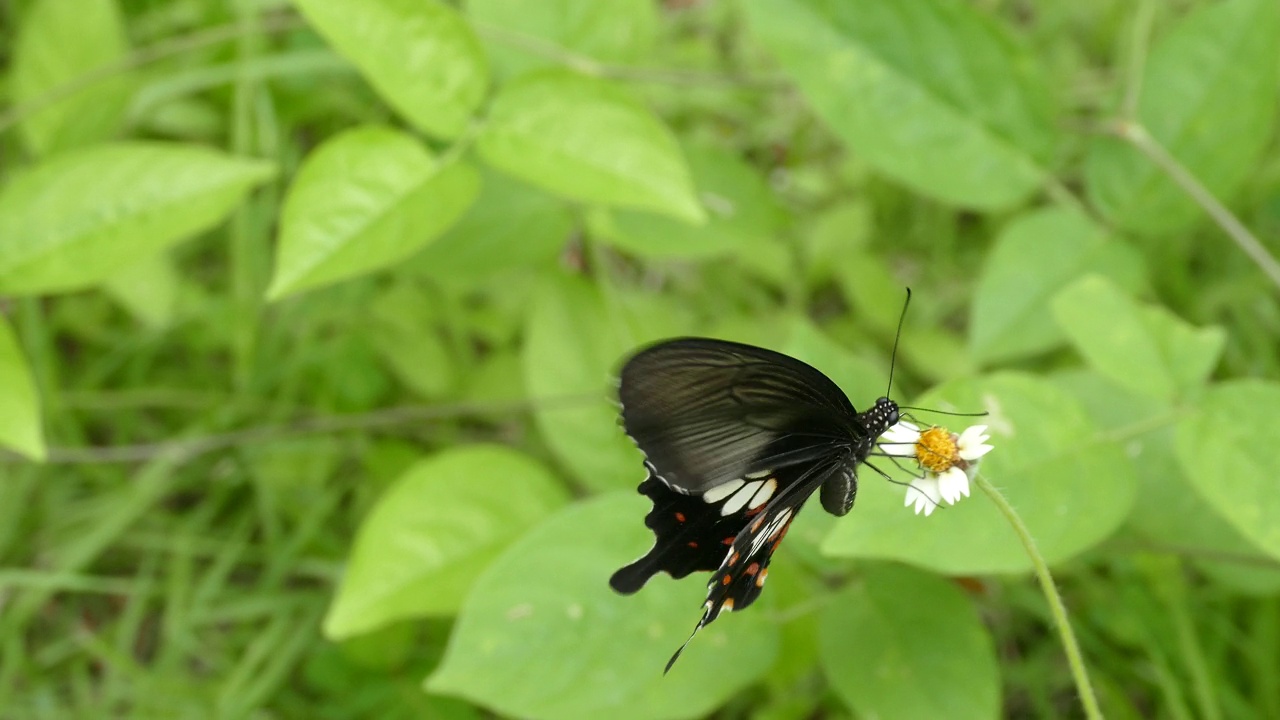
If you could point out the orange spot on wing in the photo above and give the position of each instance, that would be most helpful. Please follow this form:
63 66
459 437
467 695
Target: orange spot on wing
679 517
760 580
733 559
726 580
728 540
693 544
752 569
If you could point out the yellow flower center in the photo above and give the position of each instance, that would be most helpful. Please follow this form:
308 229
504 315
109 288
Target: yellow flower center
936 450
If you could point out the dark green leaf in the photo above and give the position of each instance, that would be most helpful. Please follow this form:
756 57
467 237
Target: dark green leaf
930 92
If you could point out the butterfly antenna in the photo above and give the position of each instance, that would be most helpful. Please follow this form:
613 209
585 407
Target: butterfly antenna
984 413
893 358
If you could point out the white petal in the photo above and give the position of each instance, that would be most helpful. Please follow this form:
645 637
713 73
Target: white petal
924 493
953 484
899 449
975 452
903 432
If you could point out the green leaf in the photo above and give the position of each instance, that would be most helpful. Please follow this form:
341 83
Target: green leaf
614 33
931 92
364 200
548 598
1225 448
588 140
1182 520
574 343
1145 349
741 211
900 643
1071 486
434 530
511 226
60 47
1208 95
20 427
1035 256
72 221
420 55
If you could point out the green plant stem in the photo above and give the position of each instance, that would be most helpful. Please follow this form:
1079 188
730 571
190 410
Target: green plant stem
1074 658
1137 136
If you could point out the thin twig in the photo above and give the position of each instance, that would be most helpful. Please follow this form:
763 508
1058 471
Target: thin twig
1136 134
189 449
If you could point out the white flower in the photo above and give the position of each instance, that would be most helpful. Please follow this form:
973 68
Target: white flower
948 461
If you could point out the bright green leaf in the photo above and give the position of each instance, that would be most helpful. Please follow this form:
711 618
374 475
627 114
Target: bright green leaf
420 55
1208 94
434 530
60 46
741 211
72 221
614 33
511 226
548 598
1226 447
589 140
1145 349
931 92
1071 486
1035 256
900 643
20 426
364 200
1182 520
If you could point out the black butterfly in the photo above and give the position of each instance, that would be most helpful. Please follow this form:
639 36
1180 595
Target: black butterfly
735 438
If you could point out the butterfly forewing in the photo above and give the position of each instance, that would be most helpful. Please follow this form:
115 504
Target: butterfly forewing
705 411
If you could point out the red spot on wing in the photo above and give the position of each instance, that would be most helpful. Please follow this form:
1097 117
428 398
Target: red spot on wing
680 517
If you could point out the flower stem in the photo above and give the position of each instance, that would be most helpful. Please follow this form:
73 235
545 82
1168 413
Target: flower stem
1059 611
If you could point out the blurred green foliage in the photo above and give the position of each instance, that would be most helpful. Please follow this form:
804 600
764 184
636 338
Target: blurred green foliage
309 310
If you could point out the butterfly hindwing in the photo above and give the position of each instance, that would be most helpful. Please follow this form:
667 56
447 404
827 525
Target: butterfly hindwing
740 576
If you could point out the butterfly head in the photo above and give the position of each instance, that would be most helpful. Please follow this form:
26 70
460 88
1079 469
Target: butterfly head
883 416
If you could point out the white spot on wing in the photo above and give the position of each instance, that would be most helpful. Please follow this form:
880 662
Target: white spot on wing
769 531
763 494
759 475
720 492
740 498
